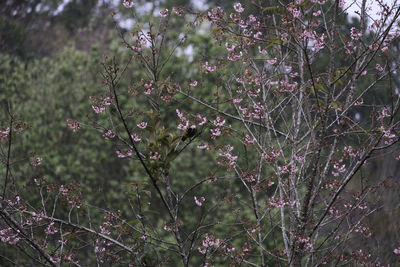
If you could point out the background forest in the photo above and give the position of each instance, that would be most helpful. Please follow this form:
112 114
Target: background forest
52 59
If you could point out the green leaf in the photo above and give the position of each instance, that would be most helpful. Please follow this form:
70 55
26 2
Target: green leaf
270 8
320 87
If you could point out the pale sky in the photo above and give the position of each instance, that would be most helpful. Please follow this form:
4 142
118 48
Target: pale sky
372 7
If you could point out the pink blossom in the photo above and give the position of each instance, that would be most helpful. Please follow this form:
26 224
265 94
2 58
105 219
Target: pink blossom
106 101
342 3
296 13
373 47
272 61
276 202
98 109
300 159
55 259
128 3
136 48
142 125
180 115
359 102
215 14
148 84
317 13
396 251
210 68
384 113
240 80
194 83
63 190
339 167
109 134
218 121
178 11
272 155
229 250
215 132
36 162
164 12
136 138
252 18
148 91
387 133
202 250
248 140
50 229
202 119
229 47
199 201
284 36
234 57
155 156
238 8
9 236
379 67
184 122
319 43
4 132
262 51
258 35
355 34
120 154
351 152
183 126
202 146
72 124
290 168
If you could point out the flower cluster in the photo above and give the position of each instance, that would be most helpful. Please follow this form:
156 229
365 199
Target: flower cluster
99 105
8 235
199 200
227 156
4 132
73 125
208 242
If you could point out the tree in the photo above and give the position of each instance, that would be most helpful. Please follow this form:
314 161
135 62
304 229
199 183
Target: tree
277 160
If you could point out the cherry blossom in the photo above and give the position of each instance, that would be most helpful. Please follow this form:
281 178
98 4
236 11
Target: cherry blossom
128 3
142 125
125 154
164 12
199 201
215 132
136 138
238 8
72 124
262 51
178 11
98 109
36 162
355 34
209 67
4 132
109 134
202 120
